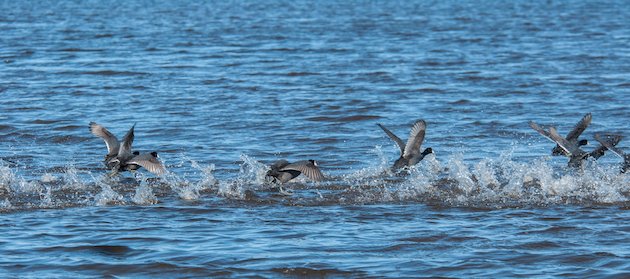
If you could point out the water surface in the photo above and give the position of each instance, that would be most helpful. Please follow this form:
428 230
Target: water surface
222 89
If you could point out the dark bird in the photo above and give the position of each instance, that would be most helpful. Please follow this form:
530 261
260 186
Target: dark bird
573 151
608 144
282 171
410 153
572 136
119 156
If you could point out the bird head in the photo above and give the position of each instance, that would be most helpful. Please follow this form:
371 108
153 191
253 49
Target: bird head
582 142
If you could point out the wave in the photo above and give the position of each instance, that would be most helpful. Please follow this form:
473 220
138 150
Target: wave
489 183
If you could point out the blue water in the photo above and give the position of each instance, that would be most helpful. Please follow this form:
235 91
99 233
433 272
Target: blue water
222 89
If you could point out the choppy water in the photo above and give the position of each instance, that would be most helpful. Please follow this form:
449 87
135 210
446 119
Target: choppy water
220 89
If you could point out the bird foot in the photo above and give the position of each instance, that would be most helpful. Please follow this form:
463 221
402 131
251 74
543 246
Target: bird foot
284 192
113 173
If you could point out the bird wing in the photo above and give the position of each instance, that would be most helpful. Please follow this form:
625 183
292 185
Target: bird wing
396 139
279 164
609 143
540 130
125 147
567 146
307 168
110 140
580 127
416 136
149 162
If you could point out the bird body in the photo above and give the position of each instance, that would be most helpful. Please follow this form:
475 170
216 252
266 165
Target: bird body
282 171
572 136
608 144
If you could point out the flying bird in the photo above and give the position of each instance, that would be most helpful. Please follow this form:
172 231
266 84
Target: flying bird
410 152
572 136
119 155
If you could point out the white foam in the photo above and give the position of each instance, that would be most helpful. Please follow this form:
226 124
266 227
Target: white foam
231 190
5 204
144 194
6 177
13 183
495 182
207 179
252 171
46 197
107 196
191 190
251 176
71 179
48 178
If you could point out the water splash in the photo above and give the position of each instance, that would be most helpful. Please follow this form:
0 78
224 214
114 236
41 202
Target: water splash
12 183
107 196
191 190
5 204
252 171
7 177
490 182
71 179
380 166
46 197
251 176
144 194
48 178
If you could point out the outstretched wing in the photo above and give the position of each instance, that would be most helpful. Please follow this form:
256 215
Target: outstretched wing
540 130
416 136
125 147
278 164
150 162
557 150
110 140
567 146
609 142
396 139
580 127
308 168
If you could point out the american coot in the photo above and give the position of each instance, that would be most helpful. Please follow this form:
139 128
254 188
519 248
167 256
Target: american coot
572 136
575 154
410 153
608 144
119 155
282 171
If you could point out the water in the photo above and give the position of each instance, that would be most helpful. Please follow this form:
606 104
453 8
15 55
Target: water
221 89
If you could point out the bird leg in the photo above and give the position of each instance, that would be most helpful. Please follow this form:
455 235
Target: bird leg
284 192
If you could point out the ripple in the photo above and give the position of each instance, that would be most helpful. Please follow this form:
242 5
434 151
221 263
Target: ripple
113 73
298 80
44 121
311 272
428 239
353 118
461 102
539 245
301 74
67 139
110 250
5 128
104 35
81 50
